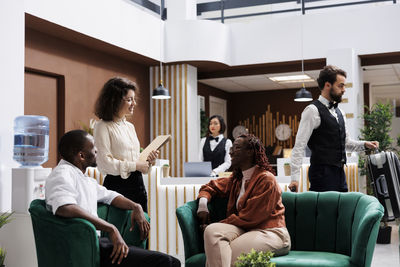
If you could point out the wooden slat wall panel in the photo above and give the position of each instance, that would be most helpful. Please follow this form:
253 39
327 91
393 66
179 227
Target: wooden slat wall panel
264 127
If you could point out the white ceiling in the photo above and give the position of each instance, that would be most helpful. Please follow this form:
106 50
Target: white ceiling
382 74
375 75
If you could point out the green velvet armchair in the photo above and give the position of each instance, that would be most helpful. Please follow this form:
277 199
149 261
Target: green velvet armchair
326 229
74 242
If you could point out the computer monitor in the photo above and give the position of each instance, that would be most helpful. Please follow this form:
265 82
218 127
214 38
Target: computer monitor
197 169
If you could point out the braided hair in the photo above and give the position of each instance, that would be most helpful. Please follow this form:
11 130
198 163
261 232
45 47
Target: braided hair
260 158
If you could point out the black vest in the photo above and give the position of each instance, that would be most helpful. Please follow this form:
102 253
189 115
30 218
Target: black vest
327 142
217 156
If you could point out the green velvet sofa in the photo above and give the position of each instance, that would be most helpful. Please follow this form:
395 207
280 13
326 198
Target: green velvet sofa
74 242
326 229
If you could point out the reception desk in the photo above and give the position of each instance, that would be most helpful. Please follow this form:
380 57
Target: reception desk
354 182
165 195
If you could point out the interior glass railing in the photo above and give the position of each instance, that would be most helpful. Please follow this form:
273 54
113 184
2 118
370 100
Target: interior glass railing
228 11
234 10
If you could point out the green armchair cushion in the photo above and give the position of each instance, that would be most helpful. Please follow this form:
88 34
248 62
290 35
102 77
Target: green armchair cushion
74 242
326 229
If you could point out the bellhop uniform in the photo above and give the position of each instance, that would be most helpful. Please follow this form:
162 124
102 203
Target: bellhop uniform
216 150
323 129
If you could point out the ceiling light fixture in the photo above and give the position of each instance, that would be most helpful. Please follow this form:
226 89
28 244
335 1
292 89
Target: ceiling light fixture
303 95
161 92
292 78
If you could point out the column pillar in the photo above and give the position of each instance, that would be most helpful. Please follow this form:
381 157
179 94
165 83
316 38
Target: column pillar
347 60
12 51
182 10
178 116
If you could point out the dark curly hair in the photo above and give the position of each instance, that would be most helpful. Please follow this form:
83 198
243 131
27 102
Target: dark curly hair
329 74
110 97
260 158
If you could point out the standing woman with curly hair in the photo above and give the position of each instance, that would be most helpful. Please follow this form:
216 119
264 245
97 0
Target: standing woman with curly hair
117 143
255 213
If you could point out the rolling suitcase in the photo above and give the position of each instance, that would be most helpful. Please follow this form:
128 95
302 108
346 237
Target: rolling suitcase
384 170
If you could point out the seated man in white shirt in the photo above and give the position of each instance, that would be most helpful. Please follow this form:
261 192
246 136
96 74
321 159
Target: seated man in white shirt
72 194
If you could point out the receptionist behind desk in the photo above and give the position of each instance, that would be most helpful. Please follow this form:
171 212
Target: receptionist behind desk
215 147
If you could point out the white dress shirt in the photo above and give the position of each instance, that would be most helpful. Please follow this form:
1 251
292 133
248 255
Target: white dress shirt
67 184
311 120
118 147
213 144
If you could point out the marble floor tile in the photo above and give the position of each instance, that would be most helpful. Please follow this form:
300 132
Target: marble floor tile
387 255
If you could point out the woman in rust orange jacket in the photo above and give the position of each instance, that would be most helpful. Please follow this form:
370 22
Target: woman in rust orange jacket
255 213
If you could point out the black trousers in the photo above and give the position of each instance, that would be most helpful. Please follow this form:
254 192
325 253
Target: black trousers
327 178
136 257
132 187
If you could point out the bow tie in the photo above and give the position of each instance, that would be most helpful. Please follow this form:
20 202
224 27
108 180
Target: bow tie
333 105
214 138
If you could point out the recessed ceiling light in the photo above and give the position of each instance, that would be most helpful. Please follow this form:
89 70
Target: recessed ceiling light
292 78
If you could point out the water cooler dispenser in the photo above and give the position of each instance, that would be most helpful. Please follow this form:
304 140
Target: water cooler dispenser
31 148
31 145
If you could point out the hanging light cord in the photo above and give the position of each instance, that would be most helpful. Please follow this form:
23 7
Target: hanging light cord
301 44
161 45
301 40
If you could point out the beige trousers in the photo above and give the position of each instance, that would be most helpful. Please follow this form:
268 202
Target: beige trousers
223 243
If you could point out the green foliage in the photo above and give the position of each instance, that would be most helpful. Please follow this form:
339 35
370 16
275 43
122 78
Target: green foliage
88 127
377 126
398 141
203 123
5 218
255 259
2 256
166 165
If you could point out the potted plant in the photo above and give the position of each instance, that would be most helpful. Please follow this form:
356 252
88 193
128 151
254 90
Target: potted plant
286 168
203 124
88 128
2 256
255 259
165 170
377 126
4 219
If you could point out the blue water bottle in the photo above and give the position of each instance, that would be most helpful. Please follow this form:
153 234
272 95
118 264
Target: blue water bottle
31 140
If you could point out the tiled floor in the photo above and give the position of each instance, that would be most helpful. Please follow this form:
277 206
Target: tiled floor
387 255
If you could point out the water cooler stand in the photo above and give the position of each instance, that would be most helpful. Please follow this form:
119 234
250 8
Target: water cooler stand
27 185
17 236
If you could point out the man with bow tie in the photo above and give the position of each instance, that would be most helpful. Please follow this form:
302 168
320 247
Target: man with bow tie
323 128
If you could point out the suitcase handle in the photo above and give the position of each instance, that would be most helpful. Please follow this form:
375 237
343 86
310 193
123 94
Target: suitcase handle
381 186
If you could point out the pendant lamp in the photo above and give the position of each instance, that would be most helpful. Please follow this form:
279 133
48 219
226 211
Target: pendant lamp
303 95
161 92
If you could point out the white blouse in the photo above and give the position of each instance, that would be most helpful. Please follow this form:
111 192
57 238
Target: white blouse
118 147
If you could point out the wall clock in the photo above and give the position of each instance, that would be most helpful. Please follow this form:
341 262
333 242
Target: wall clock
283 132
